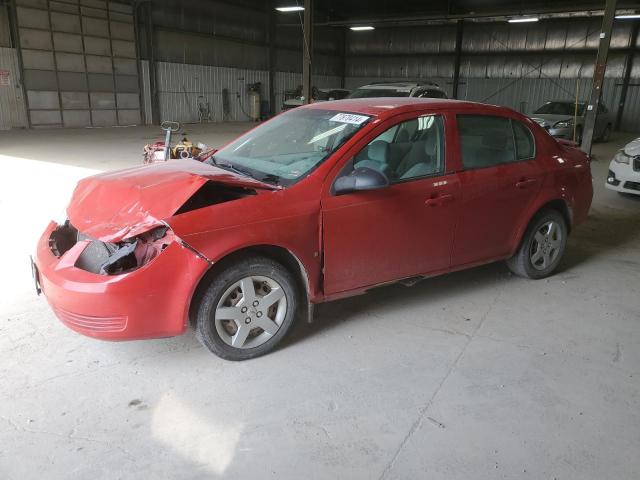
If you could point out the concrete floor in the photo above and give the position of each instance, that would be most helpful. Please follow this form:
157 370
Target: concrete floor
473 375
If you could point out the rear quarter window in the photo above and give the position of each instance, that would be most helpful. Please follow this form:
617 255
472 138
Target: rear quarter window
525 144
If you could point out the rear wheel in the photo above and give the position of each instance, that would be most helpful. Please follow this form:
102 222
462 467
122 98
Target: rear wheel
247 309
542 246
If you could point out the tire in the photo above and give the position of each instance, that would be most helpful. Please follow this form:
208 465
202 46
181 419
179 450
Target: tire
542 246
606 133
253 326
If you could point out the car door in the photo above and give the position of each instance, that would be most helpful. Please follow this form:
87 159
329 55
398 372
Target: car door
403 230
500 179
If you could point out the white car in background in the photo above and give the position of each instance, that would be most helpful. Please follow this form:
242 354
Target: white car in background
624 169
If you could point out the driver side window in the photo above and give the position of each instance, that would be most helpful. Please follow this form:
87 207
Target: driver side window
408 150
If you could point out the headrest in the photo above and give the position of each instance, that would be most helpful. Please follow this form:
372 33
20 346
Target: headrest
378 151
403 136
496 139
431 143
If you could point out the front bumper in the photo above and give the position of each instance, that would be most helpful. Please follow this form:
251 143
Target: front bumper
150 302
566 132
623 178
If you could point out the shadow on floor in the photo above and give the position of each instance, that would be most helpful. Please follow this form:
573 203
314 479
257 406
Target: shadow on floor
606 230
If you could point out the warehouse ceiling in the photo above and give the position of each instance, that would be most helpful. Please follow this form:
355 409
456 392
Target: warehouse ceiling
336 12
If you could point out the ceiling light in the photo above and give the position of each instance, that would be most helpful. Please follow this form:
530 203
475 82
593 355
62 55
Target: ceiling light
362 29
523 19
628 17
294 8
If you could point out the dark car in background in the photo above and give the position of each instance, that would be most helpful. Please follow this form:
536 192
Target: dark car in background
293 98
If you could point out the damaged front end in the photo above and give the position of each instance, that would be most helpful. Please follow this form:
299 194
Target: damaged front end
107 258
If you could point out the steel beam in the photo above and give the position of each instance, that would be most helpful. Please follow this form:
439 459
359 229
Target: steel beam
307 50
272 51
457 58
151 56
343 58
628 66
598 75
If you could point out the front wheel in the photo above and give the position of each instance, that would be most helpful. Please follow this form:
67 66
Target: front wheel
542 246
247 309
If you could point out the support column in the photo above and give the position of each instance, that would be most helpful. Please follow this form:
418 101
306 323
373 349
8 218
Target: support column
307 50
151 55
628 66
343 58
457 58
271 60
598 75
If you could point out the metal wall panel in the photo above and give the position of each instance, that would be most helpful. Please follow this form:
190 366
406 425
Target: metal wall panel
520 66
76 58
180 86
12 110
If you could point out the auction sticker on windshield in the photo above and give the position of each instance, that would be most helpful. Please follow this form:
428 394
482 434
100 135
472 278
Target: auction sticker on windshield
349 118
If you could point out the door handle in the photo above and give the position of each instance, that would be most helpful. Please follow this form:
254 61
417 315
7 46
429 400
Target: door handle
526 182
438 200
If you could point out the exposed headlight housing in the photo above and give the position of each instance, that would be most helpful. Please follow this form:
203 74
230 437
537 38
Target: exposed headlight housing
622 157
564 123
111 258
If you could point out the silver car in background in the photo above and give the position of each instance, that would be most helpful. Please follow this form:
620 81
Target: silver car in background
418 89
565 119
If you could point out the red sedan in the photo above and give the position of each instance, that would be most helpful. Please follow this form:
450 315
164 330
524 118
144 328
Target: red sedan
322 202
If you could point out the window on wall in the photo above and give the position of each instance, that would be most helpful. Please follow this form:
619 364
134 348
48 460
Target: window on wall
486 141
408 150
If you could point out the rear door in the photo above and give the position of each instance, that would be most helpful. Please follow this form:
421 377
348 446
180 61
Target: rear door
406 229
500 179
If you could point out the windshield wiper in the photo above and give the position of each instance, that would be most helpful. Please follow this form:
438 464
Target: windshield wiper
271 178
233 168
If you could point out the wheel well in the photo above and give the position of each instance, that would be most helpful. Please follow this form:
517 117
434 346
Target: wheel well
561 207
279 254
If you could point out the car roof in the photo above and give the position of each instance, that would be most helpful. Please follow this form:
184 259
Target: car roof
380 105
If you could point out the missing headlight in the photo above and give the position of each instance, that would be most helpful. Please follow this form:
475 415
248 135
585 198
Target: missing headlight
122 257
63 238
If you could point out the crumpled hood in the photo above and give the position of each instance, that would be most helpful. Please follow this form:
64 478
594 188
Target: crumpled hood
632 148
117 205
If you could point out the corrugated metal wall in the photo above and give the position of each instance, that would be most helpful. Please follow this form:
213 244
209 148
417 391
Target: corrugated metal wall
12 111
517 65
182 86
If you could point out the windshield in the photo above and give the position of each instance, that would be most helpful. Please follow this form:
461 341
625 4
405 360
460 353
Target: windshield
379 92
288 147
560 108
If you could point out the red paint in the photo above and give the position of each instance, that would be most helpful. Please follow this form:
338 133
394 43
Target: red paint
345 244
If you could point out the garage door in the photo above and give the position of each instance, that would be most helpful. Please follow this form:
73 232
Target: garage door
79 61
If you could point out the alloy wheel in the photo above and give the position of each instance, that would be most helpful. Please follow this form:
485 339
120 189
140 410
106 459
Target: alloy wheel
546 245
250 312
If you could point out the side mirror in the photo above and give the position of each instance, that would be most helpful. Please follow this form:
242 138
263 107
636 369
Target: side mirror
360 179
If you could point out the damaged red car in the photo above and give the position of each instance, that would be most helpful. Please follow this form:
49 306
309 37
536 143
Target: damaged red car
322 202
